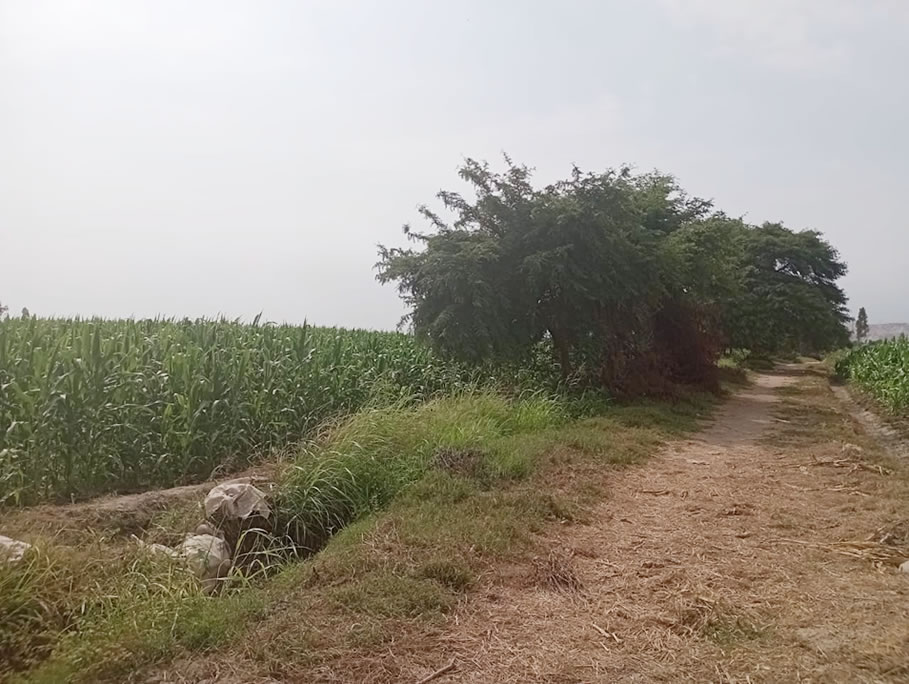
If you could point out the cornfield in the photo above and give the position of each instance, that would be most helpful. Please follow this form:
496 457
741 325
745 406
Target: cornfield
881 369
90 406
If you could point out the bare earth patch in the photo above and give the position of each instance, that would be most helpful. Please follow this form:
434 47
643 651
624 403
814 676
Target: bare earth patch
117 514
720 560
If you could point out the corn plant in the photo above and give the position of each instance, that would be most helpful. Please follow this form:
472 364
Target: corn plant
882 370
90 406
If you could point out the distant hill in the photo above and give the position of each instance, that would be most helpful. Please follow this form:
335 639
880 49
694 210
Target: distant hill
883 331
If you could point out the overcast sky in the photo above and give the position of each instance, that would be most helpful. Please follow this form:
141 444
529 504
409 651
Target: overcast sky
195 157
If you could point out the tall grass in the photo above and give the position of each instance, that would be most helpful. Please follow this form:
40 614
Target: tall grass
368 459
135 608
88 406
881 369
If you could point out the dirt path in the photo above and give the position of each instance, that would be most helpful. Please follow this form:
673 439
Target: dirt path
719 560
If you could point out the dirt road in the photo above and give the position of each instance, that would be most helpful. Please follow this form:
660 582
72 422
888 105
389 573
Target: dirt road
740 555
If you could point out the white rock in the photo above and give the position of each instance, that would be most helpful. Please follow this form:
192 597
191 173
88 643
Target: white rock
12 550
159 549
236 501
207 556
905 566
205 528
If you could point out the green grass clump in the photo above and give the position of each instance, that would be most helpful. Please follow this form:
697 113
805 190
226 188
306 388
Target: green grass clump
368 459
77 616
882 370
33 598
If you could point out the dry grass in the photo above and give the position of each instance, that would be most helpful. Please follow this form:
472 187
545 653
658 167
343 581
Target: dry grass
760 551
557 571
395 582
391 578
683 569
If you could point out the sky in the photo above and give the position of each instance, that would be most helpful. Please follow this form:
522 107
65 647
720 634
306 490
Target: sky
221 157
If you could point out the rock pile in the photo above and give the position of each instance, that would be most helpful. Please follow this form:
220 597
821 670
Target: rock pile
232 510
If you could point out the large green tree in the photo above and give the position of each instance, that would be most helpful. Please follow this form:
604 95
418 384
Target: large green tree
790 299
629 280
861 325
576 263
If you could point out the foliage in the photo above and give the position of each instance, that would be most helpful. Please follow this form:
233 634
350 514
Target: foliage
790 300
88 406
370 458
861 325
634 283
882 369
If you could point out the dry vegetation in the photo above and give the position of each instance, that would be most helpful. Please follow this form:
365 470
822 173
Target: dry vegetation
762 550
471 489
733 557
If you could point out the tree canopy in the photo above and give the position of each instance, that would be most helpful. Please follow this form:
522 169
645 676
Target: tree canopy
861 325
633 282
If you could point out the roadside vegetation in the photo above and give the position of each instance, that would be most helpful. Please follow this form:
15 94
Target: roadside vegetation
462 480
554 332
91 406
881 369
634 284
608 282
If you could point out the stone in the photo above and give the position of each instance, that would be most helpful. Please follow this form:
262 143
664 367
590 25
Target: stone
236 501
159 549
205 528
208 557
12 550
905 566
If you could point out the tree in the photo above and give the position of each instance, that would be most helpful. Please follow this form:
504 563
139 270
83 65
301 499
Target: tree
861 325
632 283
575 265
790 299
25 313
3 308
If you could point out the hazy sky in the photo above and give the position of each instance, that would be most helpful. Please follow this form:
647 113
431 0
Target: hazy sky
195 157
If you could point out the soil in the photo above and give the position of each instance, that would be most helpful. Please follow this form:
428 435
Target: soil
731 557
114 515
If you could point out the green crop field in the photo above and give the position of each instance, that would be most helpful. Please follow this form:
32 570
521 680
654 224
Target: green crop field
881 369
89 406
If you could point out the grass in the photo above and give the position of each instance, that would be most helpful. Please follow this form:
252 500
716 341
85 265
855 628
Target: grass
32 602
373 455
410 537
